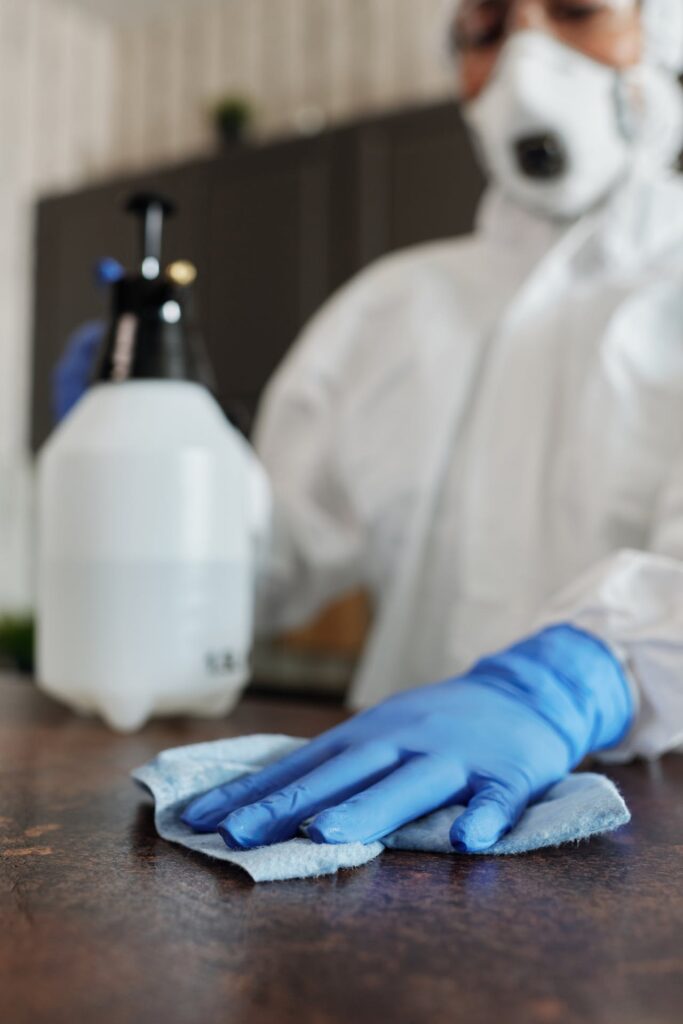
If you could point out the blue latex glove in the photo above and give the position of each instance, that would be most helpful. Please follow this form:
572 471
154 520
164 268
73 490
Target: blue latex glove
495 739
74 370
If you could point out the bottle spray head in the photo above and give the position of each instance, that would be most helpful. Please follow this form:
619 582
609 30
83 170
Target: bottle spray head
152 209
154 332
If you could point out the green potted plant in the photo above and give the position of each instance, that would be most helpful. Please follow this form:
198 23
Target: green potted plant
232 116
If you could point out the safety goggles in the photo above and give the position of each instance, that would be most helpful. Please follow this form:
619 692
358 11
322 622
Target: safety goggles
594 27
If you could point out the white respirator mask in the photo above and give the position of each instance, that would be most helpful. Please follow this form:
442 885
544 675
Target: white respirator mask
554 128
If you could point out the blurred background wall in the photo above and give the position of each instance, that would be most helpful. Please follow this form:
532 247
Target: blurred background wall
56 129
89 88
297 60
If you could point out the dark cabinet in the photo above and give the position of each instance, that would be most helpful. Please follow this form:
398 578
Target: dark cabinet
274 230
417 180
268 244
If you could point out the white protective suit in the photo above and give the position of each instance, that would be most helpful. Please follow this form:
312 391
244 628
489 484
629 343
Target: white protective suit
487 434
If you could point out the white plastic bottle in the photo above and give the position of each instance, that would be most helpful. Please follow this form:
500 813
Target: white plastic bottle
145 553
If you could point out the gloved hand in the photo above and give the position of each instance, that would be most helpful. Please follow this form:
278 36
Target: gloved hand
496 738
74 370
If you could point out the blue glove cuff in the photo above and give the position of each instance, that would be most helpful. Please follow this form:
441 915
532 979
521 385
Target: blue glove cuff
573 680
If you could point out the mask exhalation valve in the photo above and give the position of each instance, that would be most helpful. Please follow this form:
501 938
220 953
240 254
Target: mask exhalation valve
541 157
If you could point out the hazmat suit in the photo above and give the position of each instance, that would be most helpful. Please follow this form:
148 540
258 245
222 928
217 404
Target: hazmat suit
487 433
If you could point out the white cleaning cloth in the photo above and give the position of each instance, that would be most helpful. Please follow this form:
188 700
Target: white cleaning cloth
580 806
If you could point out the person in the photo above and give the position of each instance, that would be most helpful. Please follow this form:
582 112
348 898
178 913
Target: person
487 435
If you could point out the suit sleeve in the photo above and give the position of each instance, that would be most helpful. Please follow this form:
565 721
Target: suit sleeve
311 552
633 601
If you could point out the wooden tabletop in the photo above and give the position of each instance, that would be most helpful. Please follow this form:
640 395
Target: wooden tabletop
104 922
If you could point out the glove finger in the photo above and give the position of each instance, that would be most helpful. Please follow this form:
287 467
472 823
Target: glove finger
495 808
206 812
279 816
417 787
72 374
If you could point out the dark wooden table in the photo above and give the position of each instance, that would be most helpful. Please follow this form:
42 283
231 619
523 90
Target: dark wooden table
104 922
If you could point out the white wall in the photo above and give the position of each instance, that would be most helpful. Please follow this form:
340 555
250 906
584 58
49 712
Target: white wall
56 128
56 122
340 57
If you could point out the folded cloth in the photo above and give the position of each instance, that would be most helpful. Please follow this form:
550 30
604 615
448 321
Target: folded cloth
580 806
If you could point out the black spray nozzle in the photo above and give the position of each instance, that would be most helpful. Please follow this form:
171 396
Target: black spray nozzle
151 208
154 333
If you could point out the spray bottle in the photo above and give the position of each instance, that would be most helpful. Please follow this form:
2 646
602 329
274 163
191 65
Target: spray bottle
145 550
